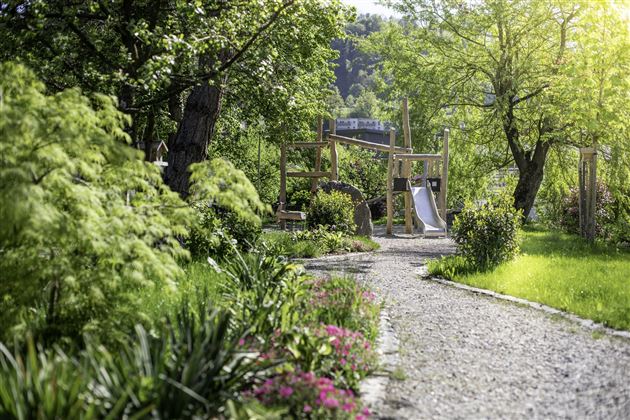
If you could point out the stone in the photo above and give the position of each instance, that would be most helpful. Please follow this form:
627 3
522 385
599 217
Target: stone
362 214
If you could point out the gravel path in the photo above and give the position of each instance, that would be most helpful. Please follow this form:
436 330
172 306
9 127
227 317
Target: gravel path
465 355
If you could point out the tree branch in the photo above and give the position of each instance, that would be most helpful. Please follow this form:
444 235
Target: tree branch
180 87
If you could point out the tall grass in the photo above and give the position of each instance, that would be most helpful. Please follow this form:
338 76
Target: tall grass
562 271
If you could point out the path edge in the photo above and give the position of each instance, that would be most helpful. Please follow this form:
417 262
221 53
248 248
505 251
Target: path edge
372 389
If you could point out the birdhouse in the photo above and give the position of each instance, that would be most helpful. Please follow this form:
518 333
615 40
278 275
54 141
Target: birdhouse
158 151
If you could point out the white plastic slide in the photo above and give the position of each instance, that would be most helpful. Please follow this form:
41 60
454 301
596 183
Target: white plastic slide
429 221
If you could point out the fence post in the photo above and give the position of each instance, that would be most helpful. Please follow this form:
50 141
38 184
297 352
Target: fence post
390 180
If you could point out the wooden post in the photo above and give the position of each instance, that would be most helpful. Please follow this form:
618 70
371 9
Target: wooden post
444 180
318 153
390 181
588 191
582 195
334 169
283 184
593 196
407 165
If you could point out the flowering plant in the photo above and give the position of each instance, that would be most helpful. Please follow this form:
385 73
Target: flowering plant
352 357
344 302
308 396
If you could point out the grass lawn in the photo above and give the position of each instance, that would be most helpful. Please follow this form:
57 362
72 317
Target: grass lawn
565 272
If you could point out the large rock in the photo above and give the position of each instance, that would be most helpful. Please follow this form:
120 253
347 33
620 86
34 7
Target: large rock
362 215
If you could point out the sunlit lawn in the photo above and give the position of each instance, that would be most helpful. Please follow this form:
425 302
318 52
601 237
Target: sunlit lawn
565 272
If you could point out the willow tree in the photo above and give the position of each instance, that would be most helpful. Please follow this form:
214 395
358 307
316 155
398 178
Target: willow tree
502 71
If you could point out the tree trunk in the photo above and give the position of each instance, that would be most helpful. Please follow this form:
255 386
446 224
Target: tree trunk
527 187
531 164
190 143
149 129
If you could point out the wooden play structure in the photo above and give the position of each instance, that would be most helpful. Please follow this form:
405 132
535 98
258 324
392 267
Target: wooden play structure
429 215
587 173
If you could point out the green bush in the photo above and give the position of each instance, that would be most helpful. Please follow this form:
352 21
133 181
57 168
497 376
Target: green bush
488 235
334 210
227 210
217 231
86 226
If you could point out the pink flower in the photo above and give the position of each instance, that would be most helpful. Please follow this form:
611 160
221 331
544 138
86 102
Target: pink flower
331 403
307 408
333 330
343 362
241 342
286 391
348 407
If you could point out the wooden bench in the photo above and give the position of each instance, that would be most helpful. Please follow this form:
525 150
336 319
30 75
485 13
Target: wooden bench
298 216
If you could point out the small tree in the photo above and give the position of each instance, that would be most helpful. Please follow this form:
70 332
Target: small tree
85 223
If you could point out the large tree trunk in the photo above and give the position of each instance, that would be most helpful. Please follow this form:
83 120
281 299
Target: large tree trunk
529 181
531 164
190 143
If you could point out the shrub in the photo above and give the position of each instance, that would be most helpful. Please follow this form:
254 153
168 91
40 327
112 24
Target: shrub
326 240
334 210
216 232
342 301
227 209
86 225
488 235
263 291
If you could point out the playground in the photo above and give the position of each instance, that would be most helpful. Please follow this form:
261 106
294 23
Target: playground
421 208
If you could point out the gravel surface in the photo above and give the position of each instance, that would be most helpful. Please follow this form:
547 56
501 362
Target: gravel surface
465 355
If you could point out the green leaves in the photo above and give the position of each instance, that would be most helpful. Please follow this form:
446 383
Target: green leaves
487 235
85 222
219 183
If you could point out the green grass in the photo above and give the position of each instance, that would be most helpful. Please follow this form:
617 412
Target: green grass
283 243
200 282
562 271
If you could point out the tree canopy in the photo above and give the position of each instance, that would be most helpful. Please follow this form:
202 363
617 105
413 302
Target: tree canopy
513 77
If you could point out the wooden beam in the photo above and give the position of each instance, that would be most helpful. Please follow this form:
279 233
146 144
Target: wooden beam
367 144
307 144
416 156
318 152
444 181
406 170
390 180
334 169
311 174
